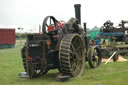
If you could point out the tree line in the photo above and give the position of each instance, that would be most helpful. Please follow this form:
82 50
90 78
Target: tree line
22 36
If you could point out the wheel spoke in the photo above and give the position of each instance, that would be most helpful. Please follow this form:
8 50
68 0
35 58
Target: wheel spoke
75 67
47 25
50 21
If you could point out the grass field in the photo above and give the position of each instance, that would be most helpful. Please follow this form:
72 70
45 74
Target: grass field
11 65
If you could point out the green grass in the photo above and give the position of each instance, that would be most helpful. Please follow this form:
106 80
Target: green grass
11 65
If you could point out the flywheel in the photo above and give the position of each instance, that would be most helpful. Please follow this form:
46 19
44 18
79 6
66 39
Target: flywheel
72 55
94 57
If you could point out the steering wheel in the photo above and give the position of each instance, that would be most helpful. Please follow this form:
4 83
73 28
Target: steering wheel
48 21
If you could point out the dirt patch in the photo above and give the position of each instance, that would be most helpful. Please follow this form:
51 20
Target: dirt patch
120 58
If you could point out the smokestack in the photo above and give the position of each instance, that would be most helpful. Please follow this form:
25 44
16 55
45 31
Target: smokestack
78 12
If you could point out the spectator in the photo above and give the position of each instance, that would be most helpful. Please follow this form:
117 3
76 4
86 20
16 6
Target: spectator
97 39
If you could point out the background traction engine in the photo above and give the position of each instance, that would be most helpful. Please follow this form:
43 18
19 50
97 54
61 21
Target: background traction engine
62 46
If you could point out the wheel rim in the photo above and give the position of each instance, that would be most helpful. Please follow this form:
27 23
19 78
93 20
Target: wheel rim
72 60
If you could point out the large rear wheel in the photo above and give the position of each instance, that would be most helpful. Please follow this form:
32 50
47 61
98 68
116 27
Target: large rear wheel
72 55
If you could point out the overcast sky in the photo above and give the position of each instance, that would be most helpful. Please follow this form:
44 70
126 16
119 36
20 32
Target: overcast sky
30 13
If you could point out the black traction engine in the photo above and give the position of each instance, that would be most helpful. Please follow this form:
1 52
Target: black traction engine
62 46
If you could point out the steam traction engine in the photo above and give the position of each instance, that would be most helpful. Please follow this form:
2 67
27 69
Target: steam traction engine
62 46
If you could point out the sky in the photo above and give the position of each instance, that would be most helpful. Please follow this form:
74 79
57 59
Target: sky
29 14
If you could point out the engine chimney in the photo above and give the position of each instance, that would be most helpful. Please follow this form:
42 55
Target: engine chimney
78 12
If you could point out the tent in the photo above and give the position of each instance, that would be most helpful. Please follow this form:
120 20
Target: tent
92 33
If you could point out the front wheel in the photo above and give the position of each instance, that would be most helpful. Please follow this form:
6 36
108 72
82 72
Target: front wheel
94 57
